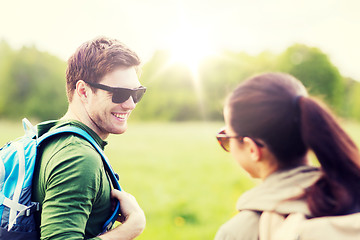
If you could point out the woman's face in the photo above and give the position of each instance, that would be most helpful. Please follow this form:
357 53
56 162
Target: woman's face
239 150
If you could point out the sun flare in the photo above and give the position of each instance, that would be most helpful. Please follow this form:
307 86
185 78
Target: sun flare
189 46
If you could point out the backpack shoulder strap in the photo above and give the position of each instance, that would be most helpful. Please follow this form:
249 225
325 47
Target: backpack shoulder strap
112 175
82 133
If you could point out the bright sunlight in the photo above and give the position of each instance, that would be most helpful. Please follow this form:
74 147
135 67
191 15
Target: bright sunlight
189 46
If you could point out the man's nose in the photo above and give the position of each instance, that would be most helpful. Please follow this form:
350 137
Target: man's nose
129 103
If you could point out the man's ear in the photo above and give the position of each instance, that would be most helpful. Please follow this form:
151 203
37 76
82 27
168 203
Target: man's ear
82 90
253 149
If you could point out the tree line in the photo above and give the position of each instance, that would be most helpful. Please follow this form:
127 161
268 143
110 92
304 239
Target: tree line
32 83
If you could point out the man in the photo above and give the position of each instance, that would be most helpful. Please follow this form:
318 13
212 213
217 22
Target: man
72 186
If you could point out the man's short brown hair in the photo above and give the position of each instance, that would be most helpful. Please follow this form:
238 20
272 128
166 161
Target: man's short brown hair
95 58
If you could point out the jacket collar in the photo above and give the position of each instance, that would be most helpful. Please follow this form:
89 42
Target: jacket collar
282 192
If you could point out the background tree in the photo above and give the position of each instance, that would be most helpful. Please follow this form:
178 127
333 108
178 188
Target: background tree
221 74
32 85
170 95
314 69
352 99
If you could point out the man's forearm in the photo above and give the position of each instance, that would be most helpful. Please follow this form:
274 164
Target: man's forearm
130 229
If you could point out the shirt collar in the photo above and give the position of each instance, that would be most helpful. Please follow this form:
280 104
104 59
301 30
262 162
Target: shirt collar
54 124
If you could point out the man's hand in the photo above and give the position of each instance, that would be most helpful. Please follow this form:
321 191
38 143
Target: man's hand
132 218
128 206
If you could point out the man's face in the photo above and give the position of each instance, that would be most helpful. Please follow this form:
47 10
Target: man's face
109 117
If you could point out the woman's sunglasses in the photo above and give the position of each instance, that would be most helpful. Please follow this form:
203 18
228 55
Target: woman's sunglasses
224 140
120 95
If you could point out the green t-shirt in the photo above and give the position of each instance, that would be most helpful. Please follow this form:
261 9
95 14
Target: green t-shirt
71 185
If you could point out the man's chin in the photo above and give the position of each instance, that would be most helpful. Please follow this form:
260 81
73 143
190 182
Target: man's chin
120 130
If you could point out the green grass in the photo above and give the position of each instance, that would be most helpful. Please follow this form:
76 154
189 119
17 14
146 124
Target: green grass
186 184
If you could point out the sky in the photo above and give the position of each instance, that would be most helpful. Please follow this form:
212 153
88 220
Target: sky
191 29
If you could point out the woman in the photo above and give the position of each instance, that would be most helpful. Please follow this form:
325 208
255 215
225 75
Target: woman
270 124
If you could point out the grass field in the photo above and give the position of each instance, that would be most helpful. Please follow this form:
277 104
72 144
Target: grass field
186 184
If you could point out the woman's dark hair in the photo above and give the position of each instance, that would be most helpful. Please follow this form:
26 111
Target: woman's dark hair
275 108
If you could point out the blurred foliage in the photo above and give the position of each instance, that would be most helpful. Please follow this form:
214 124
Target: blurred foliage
32 83
317 73
173 94
170 94
352 99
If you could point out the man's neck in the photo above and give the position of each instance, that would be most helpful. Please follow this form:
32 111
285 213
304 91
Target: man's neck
71 115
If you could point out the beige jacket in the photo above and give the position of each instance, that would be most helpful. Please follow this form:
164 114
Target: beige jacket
279 192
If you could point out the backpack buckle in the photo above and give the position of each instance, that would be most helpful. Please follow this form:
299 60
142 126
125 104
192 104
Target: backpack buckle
28 212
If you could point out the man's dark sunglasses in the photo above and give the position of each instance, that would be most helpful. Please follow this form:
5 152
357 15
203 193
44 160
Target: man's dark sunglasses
120 95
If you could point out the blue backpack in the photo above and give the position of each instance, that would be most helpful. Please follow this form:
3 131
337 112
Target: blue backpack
16 172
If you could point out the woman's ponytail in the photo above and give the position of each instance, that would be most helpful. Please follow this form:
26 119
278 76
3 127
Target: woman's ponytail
337 190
